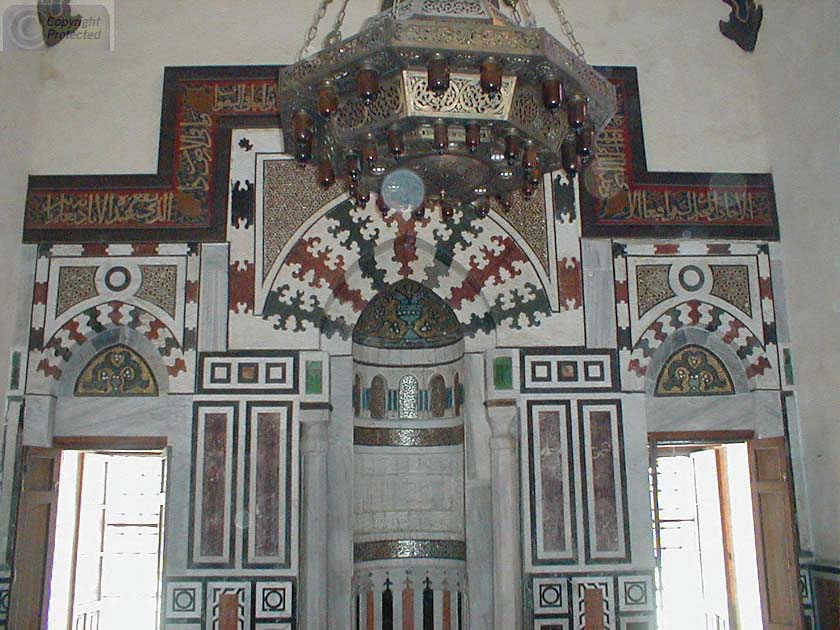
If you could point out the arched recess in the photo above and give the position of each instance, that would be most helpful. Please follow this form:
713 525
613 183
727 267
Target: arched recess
697 337
345 258
711 322
64 355
437 396
116 371
693 371
87 352
378 403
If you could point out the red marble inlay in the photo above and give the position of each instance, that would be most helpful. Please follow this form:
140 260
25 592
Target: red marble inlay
603 482
241 287
94 249
145 249
551 461
213 486
570 284
40 294
267 484
228 611
719 249
663 249
621 292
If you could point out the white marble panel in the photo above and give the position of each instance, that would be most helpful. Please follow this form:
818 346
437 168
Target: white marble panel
599 293
213 305
340 498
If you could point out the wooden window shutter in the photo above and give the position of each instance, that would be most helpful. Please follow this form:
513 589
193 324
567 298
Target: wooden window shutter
775 534
35 532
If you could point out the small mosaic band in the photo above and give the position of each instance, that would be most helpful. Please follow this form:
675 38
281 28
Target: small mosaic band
410 549
447 436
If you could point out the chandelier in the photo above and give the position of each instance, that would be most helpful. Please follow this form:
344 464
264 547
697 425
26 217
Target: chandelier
439 103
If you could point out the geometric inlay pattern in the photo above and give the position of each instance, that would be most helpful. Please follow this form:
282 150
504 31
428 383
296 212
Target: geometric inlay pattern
159 286
635 593
184 600
551 596
274 600
693 371
75 285
653 286
731 283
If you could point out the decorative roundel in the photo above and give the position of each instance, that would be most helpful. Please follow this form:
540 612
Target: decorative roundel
635 593
274 599
117 278
550 595
692 278
184 599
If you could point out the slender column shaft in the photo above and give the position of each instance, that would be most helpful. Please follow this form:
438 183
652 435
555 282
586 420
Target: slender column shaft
507 555
314 526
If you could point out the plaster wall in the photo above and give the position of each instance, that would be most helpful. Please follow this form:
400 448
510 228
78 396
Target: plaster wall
19 87
798 69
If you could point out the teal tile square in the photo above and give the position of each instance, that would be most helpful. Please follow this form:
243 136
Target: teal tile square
314 377
503 373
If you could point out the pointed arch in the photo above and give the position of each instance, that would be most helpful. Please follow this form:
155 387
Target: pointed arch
710 321
70 348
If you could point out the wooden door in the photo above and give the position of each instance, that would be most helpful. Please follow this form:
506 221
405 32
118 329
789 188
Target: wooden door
775 535
35 532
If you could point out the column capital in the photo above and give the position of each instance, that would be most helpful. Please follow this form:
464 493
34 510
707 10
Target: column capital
313 428
313 413
502 416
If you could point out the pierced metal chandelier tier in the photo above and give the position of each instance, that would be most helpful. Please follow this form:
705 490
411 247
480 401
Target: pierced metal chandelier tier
439 103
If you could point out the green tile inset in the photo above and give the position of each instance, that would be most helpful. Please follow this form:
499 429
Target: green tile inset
314 379
788 366
503 373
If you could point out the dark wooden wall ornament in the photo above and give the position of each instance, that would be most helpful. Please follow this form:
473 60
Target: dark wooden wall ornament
743 24
186 200
619 197
57 20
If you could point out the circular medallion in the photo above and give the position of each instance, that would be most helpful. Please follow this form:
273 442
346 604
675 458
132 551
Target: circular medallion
403 190
117 278
691 278
184 600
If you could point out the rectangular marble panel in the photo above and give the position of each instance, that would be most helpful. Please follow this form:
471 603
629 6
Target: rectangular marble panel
213 473
552 482
213 307
598 293
605 500
269 483
248 372
567 370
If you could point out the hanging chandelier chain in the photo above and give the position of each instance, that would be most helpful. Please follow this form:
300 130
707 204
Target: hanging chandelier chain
529 18
334 36
312 33
568 30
